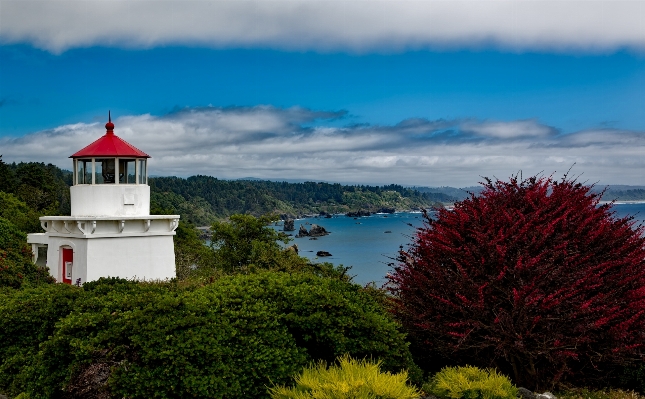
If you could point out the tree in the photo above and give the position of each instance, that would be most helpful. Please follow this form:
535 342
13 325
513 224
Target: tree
19 214
7 177
246 242
534 277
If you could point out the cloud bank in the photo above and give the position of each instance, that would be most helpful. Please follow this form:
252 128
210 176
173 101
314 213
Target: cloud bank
355 26
298 143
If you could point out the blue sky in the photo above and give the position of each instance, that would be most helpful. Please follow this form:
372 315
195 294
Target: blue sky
345 92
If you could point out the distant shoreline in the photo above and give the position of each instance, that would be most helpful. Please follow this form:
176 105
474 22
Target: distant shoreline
619 202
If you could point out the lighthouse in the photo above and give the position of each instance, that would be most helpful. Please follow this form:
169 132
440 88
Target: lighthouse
110 232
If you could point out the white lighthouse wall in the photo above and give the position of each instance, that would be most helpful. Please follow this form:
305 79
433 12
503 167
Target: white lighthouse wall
110 200
141 258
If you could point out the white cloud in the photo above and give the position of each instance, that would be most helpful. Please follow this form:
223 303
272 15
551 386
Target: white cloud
357 26
509 130
271 143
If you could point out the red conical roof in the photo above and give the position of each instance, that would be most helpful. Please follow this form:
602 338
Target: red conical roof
111 146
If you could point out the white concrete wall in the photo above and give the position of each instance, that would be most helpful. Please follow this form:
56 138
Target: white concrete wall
143 258
110 200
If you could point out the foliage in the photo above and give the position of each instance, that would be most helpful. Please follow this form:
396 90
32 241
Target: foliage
44 188
29 317
8 180
201 199
194 210
632 377
16 266
350 379
584 393
533 276
637 194
470 383
228 339
18 213
245 243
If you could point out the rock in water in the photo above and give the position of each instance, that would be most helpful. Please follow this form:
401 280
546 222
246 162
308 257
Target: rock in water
288 225
323 253
302 232
317 231
359 213
293 248
524 393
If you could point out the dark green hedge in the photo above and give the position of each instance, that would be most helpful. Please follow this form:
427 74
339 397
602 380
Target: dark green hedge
230 339
16 266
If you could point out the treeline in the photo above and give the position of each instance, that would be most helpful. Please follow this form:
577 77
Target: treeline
202 199
45 188
625 195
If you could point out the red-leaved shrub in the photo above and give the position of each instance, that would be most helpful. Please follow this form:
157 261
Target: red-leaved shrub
532 276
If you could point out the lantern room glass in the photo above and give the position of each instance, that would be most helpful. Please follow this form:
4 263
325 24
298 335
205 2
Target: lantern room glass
105 170
83 171
127 171
143 173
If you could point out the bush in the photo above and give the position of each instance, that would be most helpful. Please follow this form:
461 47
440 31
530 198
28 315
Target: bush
533 276
246 243
470 383
632 378
350 379
228 339
16 266
29 317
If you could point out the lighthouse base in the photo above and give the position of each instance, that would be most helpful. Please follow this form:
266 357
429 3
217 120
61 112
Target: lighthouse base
82 250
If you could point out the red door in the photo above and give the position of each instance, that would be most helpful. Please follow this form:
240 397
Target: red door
68 261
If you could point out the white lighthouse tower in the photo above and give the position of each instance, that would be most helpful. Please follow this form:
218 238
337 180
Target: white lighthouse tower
110 232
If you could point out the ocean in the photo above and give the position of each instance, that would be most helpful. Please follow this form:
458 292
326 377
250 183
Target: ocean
370 244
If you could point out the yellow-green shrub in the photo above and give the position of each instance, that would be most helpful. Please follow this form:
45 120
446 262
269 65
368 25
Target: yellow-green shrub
351 379
470 383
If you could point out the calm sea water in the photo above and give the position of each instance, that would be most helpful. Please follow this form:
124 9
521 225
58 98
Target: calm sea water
369 244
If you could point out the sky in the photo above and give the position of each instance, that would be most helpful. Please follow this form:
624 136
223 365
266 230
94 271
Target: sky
426 93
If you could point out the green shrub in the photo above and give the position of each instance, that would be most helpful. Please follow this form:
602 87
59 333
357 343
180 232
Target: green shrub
633 378
229 339
16 266
350 379
29 317
470 383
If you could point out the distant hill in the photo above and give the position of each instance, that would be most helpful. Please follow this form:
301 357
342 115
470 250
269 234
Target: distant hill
203 199
612 192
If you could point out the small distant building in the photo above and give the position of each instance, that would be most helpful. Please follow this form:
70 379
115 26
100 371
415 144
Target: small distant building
110 232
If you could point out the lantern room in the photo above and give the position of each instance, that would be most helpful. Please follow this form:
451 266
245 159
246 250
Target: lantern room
110 160
110 178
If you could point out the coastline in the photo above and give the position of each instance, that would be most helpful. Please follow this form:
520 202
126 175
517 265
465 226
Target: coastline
627 202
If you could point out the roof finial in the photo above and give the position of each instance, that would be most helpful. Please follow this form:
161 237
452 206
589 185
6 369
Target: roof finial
109 126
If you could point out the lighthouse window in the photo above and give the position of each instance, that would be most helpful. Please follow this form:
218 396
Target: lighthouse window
143 177
105 171
127 172
84 171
